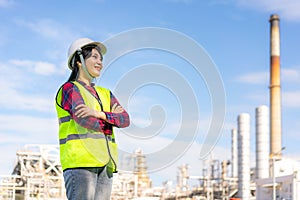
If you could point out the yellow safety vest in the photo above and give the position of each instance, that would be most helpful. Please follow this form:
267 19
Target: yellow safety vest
82 147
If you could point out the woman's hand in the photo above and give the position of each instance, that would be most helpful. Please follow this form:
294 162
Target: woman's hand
117 108
83 110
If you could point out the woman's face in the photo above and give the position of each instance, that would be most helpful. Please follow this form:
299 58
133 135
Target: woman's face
94 63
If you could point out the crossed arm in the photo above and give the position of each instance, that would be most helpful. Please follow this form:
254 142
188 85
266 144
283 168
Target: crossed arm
101 121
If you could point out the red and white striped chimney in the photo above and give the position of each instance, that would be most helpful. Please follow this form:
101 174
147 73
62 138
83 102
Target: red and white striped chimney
275 94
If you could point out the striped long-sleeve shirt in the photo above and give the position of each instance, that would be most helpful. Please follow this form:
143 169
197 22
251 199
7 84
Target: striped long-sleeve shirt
71 98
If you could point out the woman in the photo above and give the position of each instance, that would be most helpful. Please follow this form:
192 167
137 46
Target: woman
87 115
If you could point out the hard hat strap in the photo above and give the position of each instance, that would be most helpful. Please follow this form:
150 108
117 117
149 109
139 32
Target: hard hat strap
79 52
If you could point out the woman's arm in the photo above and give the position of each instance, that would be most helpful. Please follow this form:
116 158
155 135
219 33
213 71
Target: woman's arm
118 115
72 101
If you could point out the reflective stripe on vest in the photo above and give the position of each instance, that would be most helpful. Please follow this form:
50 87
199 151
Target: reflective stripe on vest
81 147
84 136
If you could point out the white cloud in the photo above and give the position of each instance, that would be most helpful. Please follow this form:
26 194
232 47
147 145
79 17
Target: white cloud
10 76
287 75
168 125
15 100
259 96
195 164
16 95
18 130
44 27
288 9
291 99
14 92
39 67
27 129
6 3
129 141
291 78
8 157
44 68
290 75
254 78
49 29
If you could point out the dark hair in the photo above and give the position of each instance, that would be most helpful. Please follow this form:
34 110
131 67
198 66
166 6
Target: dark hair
86 53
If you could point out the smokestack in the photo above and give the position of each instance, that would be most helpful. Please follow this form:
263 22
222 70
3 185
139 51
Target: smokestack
234 153
262 142
275 96
244 156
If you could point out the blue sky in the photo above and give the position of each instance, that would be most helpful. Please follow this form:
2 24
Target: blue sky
35 36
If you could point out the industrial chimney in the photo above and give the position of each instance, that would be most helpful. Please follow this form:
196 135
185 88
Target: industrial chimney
262 141
275 96
234 153
244 156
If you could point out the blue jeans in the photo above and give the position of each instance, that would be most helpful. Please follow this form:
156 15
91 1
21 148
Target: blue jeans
88 183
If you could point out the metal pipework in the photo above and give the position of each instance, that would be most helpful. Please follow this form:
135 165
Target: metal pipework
275 95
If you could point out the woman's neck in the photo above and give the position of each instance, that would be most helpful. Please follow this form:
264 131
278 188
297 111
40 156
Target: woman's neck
85 80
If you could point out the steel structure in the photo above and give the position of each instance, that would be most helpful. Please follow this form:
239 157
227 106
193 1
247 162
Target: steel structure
36 175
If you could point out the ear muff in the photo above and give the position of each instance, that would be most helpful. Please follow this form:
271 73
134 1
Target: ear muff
79 52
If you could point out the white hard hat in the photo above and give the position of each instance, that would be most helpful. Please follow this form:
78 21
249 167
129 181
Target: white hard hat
79 44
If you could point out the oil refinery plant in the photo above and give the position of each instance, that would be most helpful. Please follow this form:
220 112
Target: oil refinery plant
38 173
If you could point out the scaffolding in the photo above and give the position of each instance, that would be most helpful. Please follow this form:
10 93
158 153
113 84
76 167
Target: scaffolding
36 175
133 184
